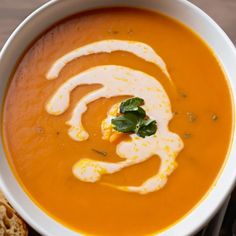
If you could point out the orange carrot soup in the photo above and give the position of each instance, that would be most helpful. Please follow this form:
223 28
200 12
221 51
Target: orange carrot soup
117 121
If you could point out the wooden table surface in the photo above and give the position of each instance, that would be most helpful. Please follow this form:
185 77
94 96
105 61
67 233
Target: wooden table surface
12 12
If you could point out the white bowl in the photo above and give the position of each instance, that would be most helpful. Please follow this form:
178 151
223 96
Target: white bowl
56 10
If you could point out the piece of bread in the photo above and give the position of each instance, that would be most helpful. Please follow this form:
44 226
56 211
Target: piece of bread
10 223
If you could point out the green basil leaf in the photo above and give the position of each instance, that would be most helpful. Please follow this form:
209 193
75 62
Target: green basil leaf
140 112
134 119
125 123
132 104
147 128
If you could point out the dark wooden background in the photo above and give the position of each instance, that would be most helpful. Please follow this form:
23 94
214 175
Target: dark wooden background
12 12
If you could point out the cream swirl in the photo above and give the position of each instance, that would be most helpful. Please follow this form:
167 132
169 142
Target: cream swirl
117 81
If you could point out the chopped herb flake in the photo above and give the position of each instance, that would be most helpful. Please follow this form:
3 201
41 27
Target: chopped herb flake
183 94
187 135
103 153
192 117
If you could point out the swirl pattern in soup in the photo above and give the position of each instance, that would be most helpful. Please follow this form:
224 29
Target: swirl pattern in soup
42 153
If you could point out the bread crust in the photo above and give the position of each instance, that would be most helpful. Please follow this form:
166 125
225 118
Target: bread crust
10 222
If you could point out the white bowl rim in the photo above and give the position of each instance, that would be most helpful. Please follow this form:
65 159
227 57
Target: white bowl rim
225 182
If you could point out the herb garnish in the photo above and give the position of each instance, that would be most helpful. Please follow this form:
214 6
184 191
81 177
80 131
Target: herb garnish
192 117
147 128
134 119
187 135
183 94
133 105
126 123
103 153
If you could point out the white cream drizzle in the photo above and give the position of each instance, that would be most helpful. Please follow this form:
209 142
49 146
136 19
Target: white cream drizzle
139 49
116 81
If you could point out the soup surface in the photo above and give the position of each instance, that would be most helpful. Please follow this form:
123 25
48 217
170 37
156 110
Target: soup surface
43 153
